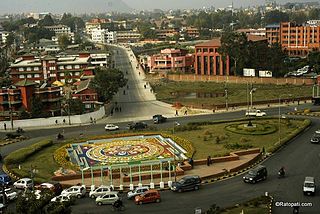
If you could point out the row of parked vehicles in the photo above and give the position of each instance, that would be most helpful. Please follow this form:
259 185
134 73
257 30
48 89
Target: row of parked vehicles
137 125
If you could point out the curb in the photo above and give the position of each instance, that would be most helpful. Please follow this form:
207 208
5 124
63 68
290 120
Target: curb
8 172
270 204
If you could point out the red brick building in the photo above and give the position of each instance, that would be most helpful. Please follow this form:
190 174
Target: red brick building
18 98
171 60
296 40
86 94
208 61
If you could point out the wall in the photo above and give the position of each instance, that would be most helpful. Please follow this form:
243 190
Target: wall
239 80
51 121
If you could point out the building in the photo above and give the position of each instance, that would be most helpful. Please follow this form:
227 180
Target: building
164 34
98 24
273 33
171 60
128 36
87 95
190 32
18 98
104 36
255 32
295 40
208 61
61 30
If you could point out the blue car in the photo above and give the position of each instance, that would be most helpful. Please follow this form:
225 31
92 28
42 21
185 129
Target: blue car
5 179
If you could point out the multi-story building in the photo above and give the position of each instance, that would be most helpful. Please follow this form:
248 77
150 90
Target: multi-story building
96 24
190 32
87 95
208 61
19 97
104 36
171 60
164 34
60 30
251 31
273 33
128 36
296 40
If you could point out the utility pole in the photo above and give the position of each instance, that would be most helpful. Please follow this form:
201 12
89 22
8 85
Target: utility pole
10 109
226 94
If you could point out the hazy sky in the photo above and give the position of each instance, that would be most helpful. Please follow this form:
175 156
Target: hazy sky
82 6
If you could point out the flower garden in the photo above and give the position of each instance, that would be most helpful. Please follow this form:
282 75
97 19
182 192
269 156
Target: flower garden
124 150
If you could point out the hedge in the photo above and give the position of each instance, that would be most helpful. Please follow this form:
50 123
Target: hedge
21 155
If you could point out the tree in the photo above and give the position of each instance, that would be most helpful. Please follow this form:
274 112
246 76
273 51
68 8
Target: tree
275 16
76 106
36 107
314 14
64 41
314 60
34 34
10 39
46 21
72 22
107 82
235 46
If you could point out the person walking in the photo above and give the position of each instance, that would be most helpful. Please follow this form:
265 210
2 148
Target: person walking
208 160
56 122
176 113
5 126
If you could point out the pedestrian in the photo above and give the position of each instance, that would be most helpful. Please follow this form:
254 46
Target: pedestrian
91 121
111 113
139 73
64 121
208 160
124 92
191 162
56 122
176 113
5 126
144 86
94 121
116 109
120 108
186 112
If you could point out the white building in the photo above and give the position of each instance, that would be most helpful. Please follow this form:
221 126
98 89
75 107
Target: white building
60 30
3 36
104 36
99 59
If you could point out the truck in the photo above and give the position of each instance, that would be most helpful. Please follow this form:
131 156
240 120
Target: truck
255 113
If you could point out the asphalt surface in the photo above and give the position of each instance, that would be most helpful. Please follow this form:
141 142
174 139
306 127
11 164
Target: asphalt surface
299 157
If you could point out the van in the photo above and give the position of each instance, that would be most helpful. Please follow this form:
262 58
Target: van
309 186
258 174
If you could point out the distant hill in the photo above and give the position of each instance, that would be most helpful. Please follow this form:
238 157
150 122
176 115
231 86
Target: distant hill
117 6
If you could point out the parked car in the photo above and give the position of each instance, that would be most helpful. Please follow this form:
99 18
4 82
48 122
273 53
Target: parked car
258 174
108 198
255 113
23 183
148 197
309 186
111 127
137 125
315 138
137 191
186 183
75 191
159 118
10 194
100 191
54 187
5 179
61 198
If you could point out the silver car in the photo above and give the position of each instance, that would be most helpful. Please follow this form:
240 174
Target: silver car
100 191
108 198
137 191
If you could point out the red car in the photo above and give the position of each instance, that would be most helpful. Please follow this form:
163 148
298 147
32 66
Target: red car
148 197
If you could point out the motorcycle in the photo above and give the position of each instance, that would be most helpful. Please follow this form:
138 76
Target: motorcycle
20 130
60 137
281 173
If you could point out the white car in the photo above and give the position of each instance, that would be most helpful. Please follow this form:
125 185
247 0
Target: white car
256 113
318 131
23 183
11 194
75 191
61 198
101 190
137 191
111 127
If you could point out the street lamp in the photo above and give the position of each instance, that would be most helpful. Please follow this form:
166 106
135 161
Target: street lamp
280 117
251 93
174 125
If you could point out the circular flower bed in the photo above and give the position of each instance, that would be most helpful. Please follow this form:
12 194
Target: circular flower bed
255 129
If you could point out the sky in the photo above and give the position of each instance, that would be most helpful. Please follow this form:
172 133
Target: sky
88 6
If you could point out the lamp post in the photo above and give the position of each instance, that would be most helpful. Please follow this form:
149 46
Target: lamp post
251 94
279 122
174 125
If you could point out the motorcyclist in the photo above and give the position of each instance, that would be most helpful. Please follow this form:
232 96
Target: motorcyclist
117 204
59 136
281 171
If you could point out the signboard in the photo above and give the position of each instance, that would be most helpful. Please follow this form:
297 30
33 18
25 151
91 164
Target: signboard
249 72
265 73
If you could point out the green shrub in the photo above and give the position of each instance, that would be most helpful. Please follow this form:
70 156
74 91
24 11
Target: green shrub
21 155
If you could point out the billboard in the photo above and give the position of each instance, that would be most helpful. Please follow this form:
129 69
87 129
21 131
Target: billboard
249 72
265 73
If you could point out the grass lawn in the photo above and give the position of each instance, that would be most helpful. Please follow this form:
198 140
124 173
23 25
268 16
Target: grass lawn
212 140
254 206
215 140
237 93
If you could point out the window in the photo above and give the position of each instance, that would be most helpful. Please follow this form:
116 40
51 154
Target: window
29 76
77 73
77 66
205 49
61 74
61 67
52 68
21 76
21 69
36 75
36 68
69 66
28 69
